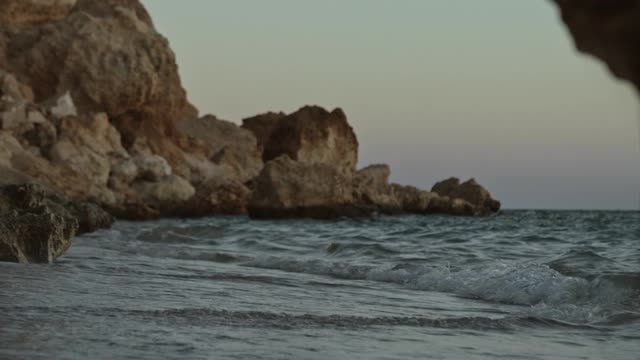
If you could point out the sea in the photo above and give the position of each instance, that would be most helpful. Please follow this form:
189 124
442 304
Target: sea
517 285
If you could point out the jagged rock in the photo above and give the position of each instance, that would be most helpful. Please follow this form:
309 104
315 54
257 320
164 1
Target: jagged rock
471 192
87 145
315 135
609 30
262 126
413 200
233 149
292 189
37 225
372 189
217 196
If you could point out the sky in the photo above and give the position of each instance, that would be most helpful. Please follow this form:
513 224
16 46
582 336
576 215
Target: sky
434 88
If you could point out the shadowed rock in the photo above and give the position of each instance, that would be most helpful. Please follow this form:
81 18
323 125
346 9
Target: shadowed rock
38 226
475 199
312 134
608 30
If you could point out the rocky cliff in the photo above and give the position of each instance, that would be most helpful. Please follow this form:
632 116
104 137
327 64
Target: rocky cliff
92 109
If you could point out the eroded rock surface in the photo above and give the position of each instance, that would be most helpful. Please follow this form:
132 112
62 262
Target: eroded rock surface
294 189
313 134
37 225
478 199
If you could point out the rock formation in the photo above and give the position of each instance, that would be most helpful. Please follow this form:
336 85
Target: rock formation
37 225
91 106
311 134
609 30
472 197
289 189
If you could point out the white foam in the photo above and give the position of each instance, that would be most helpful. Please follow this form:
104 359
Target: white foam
522 284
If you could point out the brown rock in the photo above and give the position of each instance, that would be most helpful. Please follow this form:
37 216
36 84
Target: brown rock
231 148
16 13
262 126
372 189
37 225
292 189
217 197
315 135
471 192
413 200
609 30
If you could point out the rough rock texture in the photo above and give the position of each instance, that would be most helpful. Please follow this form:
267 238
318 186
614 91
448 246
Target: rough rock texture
262 126
371 188
37 225
232 149
217 196
290 189
312 134
609 30
413 200
470 192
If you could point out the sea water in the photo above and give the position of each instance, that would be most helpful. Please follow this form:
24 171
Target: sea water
518 285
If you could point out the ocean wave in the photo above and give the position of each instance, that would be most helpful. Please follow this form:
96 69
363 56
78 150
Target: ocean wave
512 283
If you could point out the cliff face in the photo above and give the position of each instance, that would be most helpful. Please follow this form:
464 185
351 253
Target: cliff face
608 30
91 105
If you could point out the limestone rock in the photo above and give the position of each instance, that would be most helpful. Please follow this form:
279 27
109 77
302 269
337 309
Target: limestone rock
471 192
288 189
312 134
217 196
37 225
123 173
23 12
226 145
413 200
152 167
165 192
372 188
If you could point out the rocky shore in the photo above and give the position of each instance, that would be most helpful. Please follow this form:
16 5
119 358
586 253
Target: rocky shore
93 116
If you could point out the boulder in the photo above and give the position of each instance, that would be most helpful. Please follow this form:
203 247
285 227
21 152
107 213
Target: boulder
167 193
312 134
87 145
371 188
293 189
608 30
471 192
38 225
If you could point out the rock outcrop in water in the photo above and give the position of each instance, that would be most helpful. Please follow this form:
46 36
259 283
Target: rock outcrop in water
91 106
37 225
609 30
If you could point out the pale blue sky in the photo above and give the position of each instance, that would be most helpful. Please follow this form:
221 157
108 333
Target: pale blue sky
435 88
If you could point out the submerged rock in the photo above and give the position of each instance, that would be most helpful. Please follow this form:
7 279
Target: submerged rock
294 189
